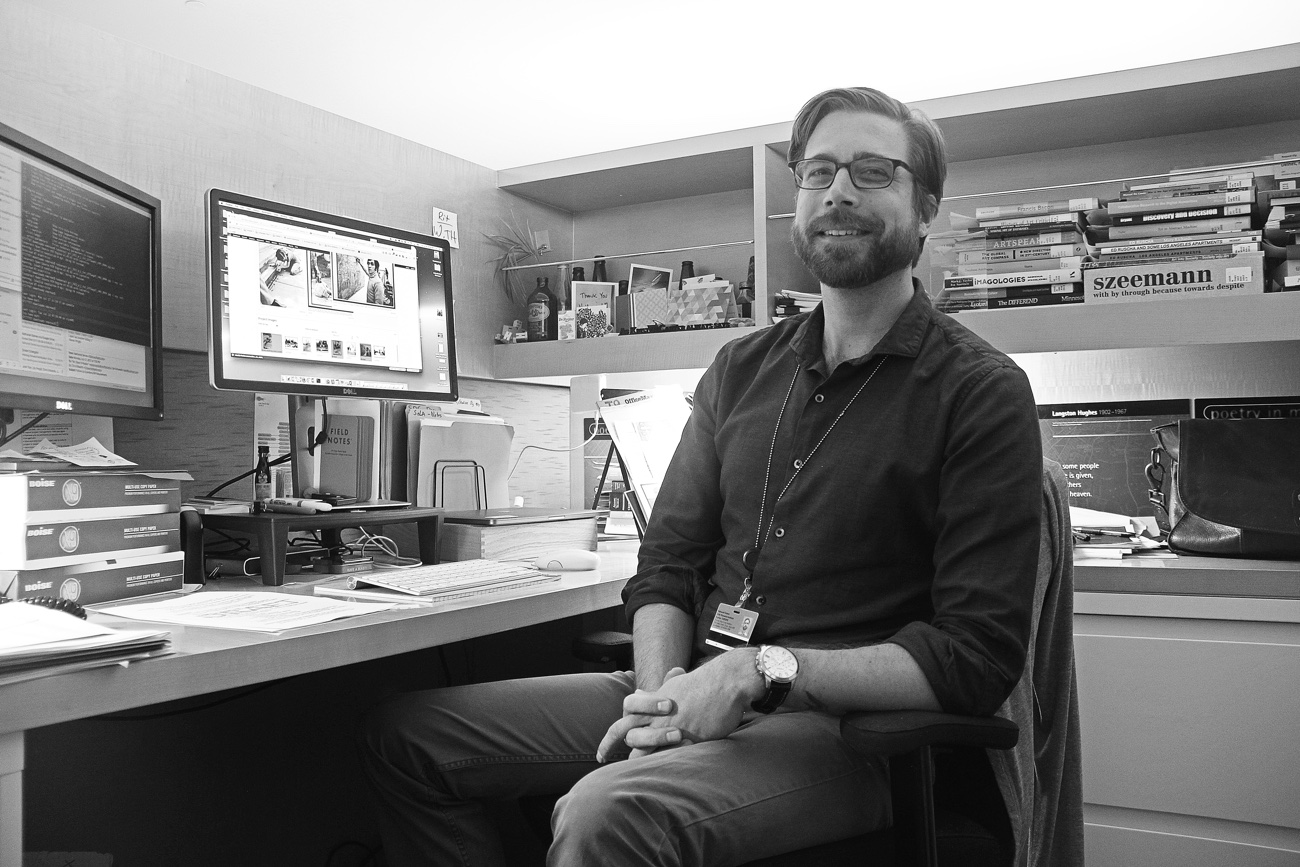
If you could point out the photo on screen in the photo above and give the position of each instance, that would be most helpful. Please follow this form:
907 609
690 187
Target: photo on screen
320 280
281 275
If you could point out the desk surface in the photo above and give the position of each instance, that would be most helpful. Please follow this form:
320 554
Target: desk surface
211 660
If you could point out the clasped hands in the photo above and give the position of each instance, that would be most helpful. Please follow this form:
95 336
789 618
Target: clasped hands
689 707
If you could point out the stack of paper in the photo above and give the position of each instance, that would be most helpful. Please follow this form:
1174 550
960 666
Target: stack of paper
37 641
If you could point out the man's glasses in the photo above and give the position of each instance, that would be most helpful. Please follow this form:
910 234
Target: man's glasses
866 173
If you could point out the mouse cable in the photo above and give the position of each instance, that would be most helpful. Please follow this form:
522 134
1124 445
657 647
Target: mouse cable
546 449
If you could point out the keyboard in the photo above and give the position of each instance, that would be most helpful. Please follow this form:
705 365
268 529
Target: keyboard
460 575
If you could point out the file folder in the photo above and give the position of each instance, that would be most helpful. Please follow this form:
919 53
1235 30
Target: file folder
463 464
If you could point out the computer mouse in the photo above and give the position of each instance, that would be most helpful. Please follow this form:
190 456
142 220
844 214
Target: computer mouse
567 560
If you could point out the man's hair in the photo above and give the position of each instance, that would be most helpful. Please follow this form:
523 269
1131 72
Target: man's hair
927 154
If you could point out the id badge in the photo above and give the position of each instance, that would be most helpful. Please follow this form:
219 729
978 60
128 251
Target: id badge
732 627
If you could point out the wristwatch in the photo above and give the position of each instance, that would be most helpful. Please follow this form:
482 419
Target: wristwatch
778 667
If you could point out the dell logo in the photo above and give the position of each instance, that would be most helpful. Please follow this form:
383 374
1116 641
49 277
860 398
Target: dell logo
349 391
63 405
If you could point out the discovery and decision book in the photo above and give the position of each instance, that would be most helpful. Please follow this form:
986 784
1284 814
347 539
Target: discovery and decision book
1243 196
1211 212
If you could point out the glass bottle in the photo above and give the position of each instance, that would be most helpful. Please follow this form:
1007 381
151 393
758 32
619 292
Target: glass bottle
579 274
562 289
543 312
688 269
598 270
262 474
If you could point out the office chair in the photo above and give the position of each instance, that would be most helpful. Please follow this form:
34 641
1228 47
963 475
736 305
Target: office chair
948 806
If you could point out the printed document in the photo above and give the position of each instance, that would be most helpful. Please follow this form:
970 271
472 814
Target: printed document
253 611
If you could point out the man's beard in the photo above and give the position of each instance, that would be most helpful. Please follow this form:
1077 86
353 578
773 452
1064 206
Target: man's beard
845 266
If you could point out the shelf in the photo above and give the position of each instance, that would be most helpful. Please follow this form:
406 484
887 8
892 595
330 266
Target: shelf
1245 319
1222 92
1191 576
561 359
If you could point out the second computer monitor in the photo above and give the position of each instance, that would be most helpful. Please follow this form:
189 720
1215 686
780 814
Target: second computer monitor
304 302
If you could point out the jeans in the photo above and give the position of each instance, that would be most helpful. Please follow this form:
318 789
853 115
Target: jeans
782 782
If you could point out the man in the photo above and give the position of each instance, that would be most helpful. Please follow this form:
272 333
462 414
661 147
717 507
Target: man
856 492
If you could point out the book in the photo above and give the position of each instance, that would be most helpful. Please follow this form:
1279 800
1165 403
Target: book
976 281
1019 265
45 544
1244 196
1170 255
994 212
1234 180
99 580
1007 299
1182 242
979 240
1182 215
1239 275
347 456
85 494
1189 227
514 541
1051 251
1033 221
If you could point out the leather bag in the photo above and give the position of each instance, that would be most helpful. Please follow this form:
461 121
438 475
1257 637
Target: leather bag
1229 488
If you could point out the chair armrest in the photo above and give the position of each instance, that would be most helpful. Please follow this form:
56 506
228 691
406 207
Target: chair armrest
888 733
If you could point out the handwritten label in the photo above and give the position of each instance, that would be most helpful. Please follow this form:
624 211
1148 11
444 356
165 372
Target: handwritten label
444 226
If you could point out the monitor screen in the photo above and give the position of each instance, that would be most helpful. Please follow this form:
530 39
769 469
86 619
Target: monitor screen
302 302
80 287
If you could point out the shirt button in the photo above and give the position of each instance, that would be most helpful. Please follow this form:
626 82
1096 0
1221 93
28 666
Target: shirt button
798 464
819 398
779 532
761 600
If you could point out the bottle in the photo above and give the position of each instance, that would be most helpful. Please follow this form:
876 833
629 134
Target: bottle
579 274
562 288
543 312
688 269
622 287
598 270
262 474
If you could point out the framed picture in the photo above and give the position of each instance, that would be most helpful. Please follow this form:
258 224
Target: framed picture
643 277
593 305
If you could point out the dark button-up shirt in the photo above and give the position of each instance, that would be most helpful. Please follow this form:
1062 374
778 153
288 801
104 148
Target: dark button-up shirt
914 521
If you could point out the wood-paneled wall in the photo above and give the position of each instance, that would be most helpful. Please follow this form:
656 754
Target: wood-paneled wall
176 130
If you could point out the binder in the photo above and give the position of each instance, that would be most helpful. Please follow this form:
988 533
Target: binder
463 464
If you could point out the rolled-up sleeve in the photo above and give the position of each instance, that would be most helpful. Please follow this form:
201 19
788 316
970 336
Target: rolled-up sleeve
986 547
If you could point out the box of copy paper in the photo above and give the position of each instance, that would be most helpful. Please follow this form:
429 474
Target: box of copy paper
98 581
45 544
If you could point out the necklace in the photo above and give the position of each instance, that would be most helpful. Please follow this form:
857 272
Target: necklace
750 558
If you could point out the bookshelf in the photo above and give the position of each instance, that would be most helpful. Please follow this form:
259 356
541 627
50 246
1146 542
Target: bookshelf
734 185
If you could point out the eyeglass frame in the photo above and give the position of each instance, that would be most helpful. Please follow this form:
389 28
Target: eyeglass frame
897 164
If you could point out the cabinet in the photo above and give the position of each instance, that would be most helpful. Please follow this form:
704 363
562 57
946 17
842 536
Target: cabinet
1085 134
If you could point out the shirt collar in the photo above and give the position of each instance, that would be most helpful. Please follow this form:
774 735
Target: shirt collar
903 338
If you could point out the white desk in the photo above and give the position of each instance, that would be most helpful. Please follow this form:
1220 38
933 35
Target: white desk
211 660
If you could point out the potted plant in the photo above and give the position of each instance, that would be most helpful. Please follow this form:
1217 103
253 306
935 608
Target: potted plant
518 247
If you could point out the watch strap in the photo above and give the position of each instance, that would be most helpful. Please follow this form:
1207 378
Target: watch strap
772 699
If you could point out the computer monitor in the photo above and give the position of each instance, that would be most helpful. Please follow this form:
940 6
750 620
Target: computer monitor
308 303
80 287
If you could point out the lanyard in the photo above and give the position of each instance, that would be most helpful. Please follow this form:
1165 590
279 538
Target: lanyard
750 558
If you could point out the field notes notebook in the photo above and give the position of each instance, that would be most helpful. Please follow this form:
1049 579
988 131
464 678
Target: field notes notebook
463 464
347 456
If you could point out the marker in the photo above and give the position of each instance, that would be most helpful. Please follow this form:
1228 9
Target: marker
295 505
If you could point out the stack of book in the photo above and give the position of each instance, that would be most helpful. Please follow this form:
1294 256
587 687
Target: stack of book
1029 254
514 534
89 536
790 302
1191 235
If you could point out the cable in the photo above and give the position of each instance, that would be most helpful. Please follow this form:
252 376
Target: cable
389 547
545 449
275 463
6 437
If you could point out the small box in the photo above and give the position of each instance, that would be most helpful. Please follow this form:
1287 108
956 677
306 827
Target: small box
100 581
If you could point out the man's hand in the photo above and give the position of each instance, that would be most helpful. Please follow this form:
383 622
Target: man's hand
703 705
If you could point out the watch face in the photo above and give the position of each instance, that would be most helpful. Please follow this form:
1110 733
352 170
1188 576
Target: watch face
780 664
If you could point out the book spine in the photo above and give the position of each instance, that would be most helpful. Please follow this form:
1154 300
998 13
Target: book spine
998 232
1162 256
1019 265
1191 227
1046 299
997 281
42 545
1237 275
1207 213
1052 251
994 212
1033 221
1229 181
1248 243
1013 291
1143 206
1011 299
